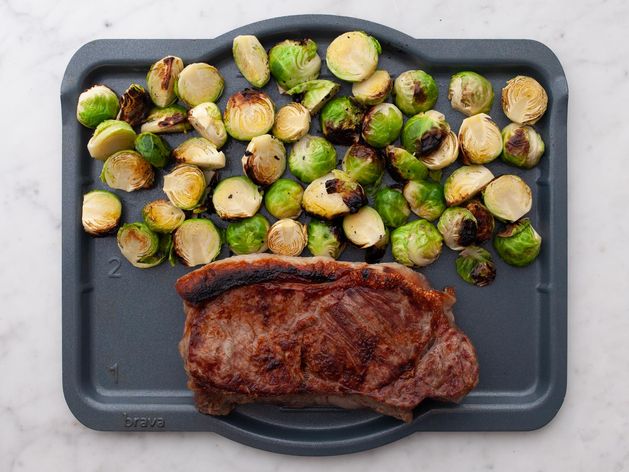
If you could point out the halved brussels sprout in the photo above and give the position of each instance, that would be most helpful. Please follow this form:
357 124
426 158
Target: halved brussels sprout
333 195
197 241
314 94
251 60
364 228
340 120
248 236
374 89
363 164
480 139
425 198
392 206
172 119
101 212
283 199
236 197
199 83
200 152
293 62
475 266
248 114
153 149
403 165
207 120
375 253
353 56
142 247
185 186
162 216
522 146
128 171
325 238
470 93
524 100
458 227
311 157
428 136
518 244
292 122
382 125
95 105
161 80
465 182
508 197
265 159
484 220
287 237
416 244
415 91
134 105
109 137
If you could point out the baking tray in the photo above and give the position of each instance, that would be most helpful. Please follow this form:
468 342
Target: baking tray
121 325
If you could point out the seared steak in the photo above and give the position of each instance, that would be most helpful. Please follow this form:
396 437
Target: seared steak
313 331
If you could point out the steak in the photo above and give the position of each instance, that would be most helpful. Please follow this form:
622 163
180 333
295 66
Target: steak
300 331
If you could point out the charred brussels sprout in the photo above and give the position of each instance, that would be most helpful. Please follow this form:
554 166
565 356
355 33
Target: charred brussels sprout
185 186
524 100
251 60
508 197
522 146
340 120
415 91
128 171
287 237
172 119
292 122
470 93
518 244
142 247
109 137
248 236
206 119
162 216
425 198
161 80
480 139
475 266
314 94
363 164
293 62
283 199
153 149
465 182
199 152
248 114
484 219
196 242
364 228
95 105
392 206
101 212
265 159
404 166
333 195
416 244
458 227
311 157
382 125
373 90
325 238
236 197
429 138
135 104
199 83
353 56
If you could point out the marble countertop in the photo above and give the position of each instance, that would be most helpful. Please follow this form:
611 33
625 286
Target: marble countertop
37 431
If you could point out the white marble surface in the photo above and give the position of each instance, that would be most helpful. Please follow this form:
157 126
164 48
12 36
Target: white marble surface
37 431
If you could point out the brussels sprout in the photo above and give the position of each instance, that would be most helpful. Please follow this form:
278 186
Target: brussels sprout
248 114
185 186
364 228
416 244
293 62
162 216
340 120
428 136
128 171
353 56
363 164
142 247
425 198
292 122
95 105
251 60
435 175
465 182
325 238
458 227
314 94
470 93
248 236
287 237
392 206
172 119
199 83
101 212
206 119
265 159
161 80
311 157
200 152
508 197
153 149
374 253
109 137
476 266
522 146
333 195
518 244
283 199
382 125
196 242
415 91
524 100
236 197
134 105
484 220
480 139
404 166
374 89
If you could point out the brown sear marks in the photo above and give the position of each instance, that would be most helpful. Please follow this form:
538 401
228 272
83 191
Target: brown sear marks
484 220
430 141
168 62
468 233
172 120
518 144
419 94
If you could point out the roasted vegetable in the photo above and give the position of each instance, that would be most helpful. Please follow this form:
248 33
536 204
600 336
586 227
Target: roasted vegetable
206 119
476 266
325 238
374 89
142 247
199 83
287 237
524 100
185 186
404 166
508 198
364 228
200 152
135 104
153 149
416 244
197 242
363 164
236 197
480 139
283 199
292 122
484 220
375 253
251 60
314 94
470 93
415 91
293 62
128 171
458 227
101 212
428 137
109 137
341 119
522 146
95 105
353 56
392 206
311 157
465 182
172 119
162 216
425 198
518 244
248 114
333 195
161 80
382 125
265 159
248 236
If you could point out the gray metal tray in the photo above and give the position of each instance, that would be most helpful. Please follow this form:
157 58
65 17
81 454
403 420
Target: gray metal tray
121 325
